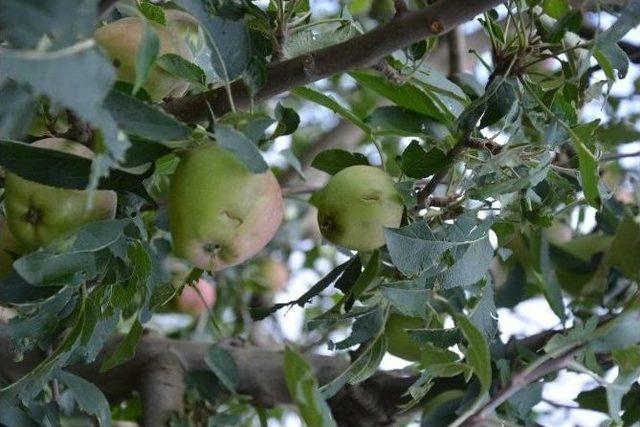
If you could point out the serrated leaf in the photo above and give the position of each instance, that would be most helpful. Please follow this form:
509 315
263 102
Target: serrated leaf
303 388
245 150
364 328
409 298
333 161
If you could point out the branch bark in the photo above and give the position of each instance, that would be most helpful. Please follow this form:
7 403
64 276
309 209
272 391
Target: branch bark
361 51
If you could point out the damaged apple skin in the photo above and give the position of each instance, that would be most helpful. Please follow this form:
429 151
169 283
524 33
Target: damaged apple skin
220 213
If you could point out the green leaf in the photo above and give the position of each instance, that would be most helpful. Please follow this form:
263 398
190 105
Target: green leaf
146 56
51 264
364 328
620 332
607 52
152 12
588 162
222 364
288 121
477 352
89 397
626 242
364 279
245 150
549 282
406 95
362 368
409 298
333 161
556 8
393 120
126 348
229 40
303 388
177 66
141 119
43 166
327 101
417 163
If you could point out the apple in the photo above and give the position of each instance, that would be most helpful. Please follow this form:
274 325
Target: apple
356 205
399 343
220 213
121 40
198 301
38 214
274 274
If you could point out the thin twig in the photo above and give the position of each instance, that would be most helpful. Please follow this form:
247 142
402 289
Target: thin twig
617 156
531 374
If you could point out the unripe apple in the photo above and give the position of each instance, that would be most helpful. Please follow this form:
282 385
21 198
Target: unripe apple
356 205
38 214
121 39
192 302
399 343
220 213
274 274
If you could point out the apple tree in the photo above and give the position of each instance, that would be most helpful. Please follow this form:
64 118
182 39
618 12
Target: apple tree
249 212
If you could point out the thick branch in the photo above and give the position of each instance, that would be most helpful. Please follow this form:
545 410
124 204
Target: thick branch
361 51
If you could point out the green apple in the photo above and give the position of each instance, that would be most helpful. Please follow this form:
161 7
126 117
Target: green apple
356 205
121 39
220 213
399 343
38 214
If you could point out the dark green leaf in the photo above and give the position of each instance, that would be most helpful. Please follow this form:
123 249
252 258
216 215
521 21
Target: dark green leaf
588 163
88 396
152 12
288 121
417 163
221 363
393 120
178 66
333 161
126 348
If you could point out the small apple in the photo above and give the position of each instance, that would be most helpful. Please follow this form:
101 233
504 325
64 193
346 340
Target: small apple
121 39
38 214
274 274
356 205
220 213
399 343
198 301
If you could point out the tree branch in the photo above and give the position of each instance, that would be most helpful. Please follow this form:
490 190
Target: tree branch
360 51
